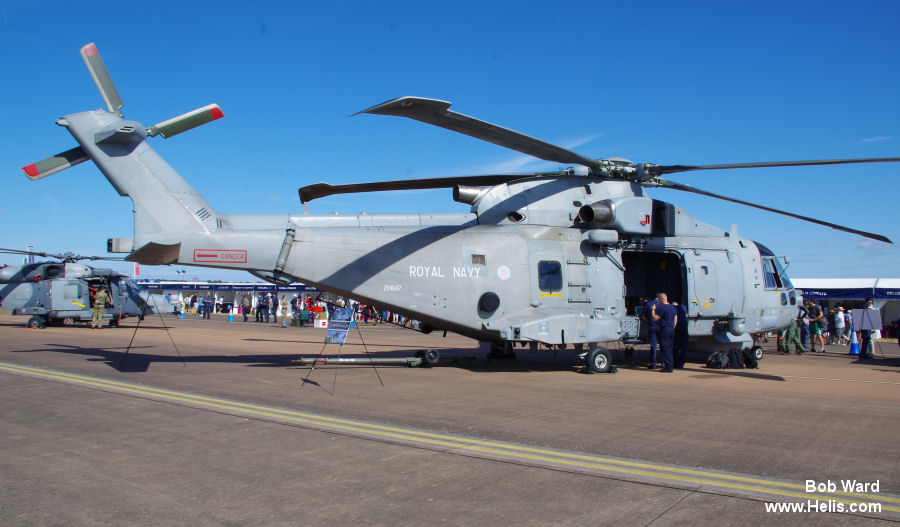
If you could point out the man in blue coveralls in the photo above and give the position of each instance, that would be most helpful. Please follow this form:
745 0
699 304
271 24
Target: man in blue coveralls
679 342
665 315
652 329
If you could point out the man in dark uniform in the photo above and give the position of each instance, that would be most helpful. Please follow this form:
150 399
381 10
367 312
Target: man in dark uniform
652 330
206 305
679 344
665 315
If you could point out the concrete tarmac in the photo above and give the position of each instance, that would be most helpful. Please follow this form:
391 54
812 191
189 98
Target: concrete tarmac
210 423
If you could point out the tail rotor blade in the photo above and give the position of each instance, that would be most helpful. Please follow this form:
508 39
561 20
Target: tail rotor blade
55 164
186 121
102 79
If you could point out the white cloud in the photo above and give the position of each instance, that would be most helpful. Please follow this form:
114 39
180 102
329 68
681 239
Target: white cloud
873 245
519 162
876 139
52 204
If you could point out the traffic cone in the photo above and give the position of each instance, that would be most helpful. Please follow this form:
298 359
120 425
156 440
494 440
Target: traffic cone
231 315
854 344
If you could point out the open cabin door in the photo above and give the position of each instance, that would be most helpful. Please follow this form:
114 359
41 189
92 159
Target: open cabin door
648 273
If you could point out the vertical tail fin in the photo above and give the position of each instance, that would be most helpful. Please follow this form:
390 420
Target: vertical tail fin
166 207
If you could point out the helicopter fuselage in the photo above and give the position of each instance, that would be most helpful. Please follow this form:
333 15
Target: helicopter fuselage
520 267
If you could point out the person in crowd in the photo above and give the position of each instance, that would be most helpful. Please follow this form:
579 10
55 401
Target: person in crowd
792 338
866 346
246 306
273 307
848 325
815 327
837 336
803 322
284 311
206 306
264 307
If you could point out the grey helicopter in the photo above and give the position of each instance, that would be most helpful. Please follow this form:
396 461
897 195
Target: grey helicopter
56 292
553 259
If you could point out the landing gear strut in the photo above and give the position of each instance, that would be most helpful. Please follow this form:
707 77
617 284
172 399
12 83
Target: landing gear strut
502 351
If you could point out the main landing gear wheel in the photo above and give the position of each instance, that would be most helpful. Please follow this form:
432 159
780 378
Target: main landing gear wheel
599 360
429 357
36 322
757 352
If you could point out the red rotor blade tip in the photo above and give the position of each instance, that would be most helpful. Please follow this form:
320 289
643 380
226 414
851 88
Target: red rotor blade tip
31 170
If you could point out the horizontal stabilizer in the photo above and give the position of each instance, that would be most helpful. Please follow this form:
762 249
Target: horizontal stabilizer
155 254
186 121
102 79
54 164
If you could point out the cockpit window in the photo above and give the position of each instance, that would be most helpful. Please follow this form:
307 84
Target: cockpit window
773 272
770 274
782 274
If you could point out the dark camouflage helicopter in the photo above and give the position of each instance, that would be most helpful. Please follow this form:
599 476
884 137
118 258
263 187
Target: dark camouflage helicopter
56 292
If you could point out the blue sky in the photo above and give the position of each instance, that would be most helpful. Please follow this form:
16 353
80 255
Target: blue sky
662 82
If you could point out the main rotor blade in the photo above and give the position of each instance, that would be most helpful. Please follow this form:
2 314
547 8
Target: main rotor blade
102 79
31 253
320 190
678 186
658 170
66 256
186 121
433 111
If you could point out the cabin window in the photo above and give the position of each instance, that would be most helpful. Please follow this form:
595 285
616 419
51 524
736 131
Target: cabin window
71 292
549 275
477 259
